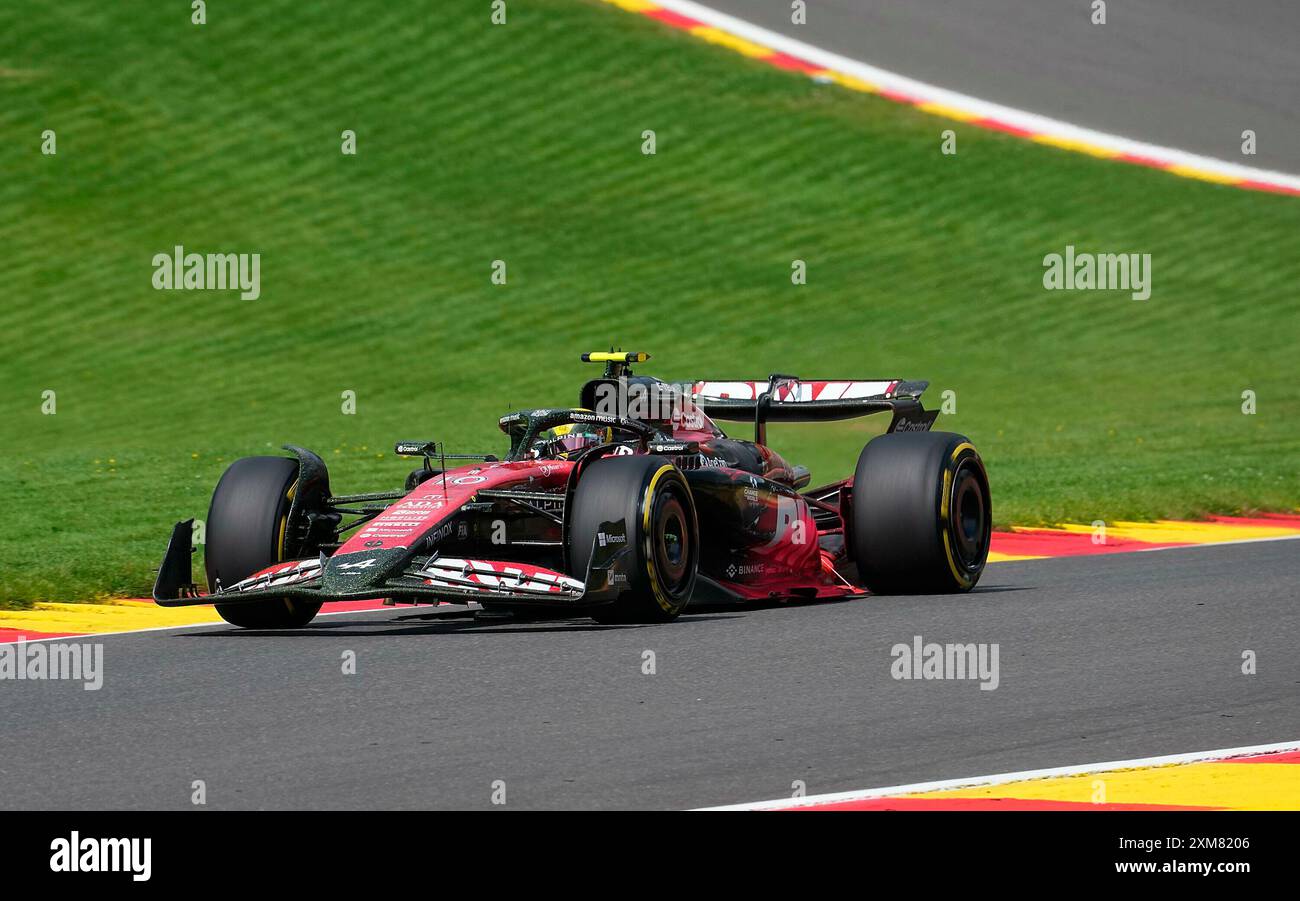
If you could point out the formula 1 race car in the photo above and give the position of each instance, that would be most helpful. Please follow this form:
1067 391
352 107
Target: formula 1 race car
624 509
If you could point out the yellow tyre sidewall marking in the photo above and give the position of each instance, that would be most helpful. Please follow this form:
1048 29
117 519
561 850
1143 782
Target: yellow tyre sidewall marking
647 504
962 577
284 526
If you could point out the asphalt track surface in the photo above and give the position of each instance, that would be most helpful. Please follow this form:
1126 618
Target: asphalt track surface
1188 74
1101 658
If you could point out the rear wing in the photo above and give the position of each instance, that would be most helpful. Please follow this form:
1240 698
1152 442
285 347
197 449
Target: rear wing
785 398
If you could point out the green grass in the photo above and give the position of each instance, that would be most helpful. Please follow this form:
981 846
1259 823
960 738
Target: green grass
522 143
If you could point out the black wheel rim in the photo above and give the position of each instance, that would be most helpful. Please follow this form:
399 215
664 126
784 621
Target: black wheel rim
968 516
671 542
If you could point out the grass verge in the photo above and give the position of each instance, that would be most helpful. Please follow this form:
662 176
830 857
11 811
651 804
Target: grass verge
522 143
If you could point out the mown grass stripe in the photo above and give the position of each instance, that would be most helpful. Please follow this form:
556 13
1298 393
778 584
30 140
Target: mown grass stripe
523 143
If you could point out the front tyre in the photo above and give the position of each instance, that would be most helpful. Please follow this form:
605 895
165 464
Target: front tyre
246 528
922 515
651 497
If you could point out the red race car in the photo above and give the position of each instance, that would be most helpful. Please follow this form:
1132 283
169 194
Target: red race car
624 509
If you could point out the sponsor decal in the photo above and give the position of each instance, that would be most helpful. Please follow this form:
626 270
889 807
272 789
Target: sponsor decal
580 416
604 540
415 448
908 425
922 421
469 480
353 568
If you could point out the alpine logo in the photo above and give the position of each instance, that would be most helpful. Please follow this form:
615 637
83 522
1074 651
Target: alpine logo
359 565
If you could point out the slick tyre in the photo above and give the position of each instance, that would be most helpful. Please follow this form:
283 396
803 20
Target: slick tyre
922 516
246 528
650 495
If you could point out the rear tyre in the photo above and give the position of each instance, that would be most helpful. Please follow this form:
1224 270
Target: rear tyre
246 529
651 497
922 515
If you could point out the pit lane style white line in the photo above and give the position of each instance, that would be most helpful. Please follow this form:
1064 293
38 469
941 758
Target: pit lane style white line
1053 131
1003 778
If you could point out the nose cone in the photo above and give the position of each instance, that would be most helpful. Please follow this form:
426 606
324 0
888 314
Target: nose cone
346 573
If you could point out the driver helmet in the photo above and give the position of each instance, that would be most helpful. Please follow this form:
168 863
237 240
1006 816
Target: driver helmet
563 440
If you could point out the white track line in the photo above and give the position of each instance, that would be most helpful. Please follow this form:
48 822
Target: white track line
1003 778
984 109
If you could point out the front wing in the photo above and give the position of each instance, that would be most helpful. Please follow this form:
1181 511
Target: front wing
429 579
